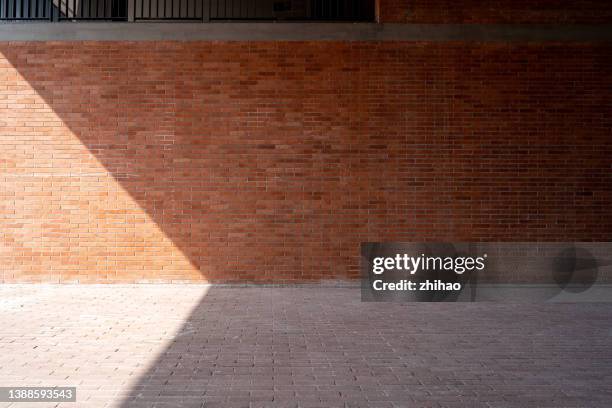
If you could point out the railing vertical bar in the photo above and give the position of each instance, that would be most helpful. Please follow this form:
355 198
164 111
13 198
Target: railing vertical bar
205 5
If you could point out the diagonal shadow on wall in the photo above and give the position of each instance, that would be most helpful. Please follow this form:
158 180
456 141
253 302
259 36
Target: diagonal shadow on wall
242 155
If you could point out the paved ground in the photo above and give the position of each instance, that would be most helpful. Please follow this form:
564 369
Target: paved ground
186 346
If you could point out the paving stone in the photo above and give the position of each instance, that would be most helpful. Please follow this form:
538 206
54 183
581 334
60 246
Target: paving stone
197 346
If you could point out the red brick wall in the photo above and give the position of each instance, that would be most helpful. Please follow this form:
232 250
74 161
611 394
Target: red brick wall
273 161
496 11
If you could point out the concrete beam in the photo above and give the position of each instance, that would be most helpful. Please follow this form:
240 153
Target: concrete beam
268 31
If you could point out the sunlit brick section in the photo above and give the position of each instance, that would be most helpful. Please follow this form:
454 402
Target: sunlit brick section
64 217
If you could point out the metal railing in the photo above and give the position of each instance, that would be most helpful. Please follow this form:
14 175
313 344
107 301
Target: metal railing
26 9
187 10
334 10
92 10
181 10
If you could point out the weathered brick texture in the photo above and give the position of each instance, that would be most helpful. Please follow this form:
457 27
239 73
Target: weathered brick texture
272 161
496 11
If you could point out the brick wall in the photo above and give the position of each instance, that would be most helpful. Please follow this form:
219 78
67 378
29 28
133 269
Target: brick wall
495 11
232 161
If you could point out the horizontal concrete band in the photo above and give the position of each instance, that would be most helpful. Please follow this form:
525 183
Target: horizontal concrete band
300 32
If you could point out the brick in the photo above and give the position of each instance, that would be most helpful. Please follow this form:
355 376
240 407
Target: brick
273 161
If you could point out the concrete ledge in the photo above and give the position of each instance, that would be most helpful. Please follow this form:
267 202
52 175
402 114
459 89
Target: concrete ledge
300 32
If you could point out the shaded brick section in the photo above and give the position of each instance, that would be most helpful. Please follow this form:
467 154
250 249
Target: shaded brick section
496 11
263 161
